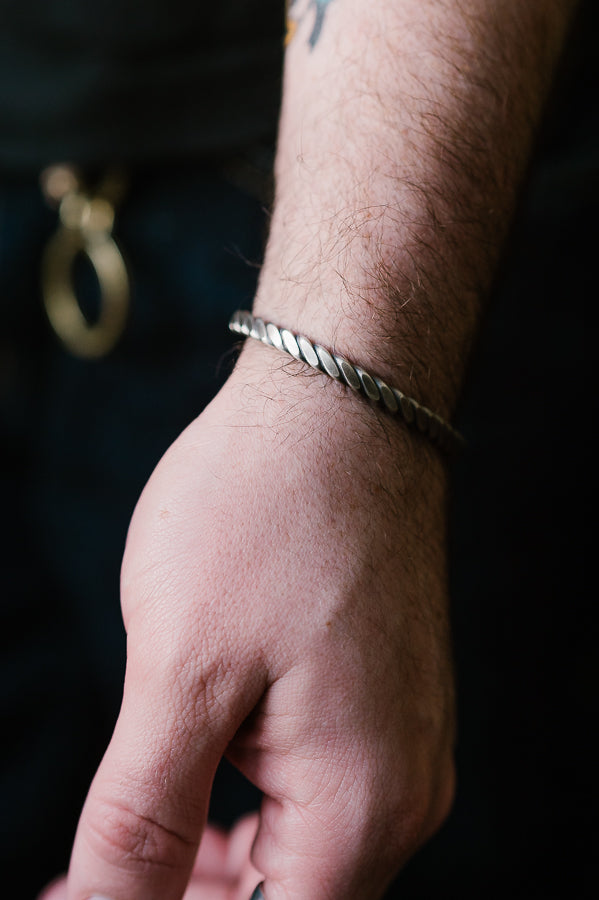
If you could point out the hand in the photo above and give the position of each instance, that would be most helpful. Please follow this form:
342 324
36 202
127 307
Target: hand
283 591
221 867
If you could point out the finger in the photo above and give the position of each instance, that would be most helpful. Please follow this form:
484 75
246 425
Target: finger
216 890
342 811
223 867
209 889
211 859
142 821
57 890
224 855
240 845
239 861
307 854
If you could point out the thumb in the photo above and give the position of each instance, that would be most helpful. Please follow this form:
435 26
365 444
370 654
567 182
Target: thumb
142 821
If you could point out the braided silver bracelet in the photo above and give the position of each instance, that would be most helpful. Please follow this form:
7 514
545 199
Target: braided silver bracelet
393 400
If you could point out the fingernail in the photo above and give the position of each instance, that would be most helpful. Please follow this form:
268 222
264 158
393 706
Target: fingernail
257 895
98 897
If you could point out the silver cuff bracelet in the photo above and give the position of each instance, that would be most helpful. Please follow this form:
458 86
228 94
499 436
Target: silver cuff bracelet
374 389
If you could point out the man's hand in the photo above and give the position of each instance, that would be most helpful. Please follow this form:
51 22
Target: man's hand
284 597
284 580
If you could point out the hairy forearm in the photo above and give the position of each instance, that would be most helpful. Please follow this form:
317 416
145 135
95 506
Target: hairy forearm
405 132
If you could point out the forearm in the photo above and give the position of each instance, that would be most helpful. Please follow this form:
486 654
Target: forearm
404 135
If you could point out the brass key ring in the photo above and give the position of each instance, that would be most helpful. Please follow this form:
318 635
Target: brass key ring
85 227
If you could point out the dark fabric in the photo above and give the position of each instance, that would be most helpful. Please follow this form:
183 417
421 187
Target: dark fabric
136 80
78 440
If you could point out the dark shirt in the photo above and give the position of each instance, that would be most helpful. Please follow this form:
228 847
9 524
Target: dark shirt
136 81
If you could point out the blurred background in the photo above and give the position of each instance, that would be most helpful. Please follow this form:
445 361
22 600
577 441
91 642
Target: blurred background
79 437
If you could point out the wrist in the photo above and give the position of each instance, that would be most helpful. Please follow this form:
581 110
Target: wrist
392 330
290 408
369 385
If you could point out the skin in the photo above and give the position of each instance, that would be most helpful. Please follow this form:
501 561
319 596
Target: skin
284 582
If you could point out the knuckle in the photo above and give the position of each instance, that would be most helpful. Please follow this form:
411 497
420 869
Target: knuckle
127 839
408 823
443 799
420 810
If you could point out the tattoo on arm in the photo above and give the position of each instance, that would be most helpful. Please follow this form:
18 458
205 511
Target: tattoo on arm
297 12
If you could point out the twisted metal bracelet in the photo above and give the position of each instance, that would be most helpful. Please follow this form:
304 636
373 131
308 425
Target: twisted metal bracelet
375 389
